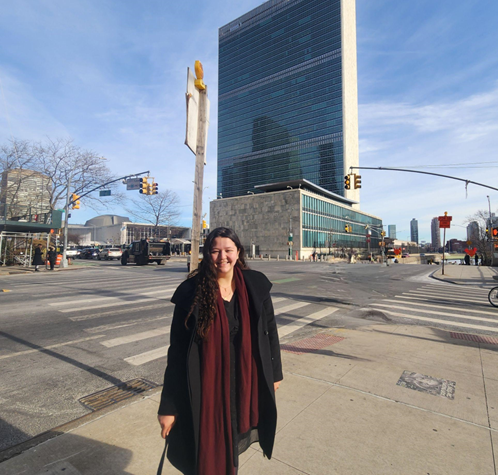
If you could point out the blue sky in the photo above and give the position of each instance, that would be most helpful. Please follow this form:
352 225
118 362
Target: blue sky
112 75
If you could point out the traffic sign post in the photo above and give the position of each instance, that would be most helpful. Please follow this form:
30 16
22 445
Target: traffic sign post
444 223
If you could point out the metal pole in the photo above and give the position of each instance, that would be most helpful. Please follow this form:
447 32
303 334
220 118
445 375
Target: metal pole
66 223
200 158
490 230
444 243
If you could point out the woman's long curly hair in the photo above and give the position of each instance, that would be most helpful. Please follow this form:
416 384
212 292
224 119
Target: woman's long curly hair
207 286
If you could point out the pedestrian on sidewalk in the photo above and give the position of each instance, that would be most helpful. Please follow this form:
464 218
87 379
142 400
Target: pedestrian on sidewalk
224 363
51 257
37 258
476 259
467 260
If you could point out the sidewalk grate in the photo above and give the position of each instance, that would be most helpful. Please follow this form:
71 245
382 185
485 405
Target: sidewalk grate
108 397
477 338
311 345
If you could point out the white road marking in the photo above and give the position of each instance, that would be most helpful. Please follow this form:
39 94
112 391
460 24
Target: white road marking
27 352
288 308
106 299
127 323
444 322
278 299
442 297
284 330
433 312
431 305
135 337
143 358
143 308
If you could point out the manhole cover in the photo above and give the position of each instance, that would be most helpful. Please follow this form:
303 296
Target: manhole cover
310 345
108 397
427 384
477 338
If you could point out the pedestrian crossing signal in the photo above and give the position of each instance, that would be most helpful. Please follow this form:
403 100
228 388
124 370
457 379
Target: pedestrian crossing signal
494 233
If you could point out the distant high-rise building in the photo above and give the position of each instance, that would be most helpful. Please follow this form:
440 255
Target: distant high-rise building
473 232
287 104
414 230
435 234
24 194
391 231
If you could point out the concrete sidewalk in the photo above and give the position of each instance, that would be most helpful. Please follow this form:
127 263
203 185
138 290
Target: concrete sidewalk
468 275
341 409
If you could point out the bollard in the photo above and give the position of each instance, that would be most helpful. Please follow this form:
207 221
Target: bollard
269 257
278 257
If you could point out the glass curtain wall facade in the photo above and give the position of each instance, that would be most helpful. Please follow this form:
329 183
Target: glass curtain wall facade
280 97
324 223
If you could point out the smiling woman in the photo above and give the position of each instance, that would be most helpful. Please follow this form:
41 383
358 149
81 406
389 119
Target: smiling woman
224 363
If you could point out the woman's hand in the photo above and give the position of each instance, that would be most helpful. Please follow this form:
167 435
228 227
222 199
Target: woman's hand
276 385
166 423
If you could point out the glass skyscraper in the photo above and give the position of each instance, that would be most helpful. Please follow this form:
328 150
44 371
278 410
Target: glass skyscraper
288 96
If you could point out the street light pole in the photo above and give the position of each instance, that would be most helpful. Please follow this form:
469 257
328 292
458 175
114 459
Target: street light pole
490 229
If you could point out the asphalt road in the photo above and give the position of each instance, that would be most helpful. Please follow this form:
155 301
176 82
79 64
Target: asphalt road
65 335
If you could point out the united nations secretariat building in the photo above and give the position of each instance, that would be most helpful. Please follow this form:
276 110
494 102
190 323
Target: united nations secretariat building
288 130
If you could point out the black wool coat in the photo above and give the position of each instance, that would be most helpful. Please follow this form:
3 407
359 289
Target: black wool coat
181 395
37 258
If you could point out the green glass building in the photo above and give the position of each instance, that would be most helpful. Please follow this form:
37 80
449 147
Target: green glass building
287 96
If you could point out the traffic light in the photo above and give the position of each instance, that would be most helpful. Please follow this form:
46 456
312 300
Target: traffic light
153 189
75 200
144 186
357 181
347 183
204 224
382 233
348 228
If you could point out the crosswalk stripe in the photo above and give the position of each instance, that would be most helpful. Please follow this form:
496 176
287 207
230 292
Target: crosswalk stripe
444 322
143 358
291 307
480 293
99 299
291 327
433 312
143 308
58 345
113 304
135 337
432 305
278 299
124 324
453 299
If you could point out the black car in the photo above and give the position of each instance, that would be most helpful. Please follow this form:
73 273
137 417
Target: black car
89 254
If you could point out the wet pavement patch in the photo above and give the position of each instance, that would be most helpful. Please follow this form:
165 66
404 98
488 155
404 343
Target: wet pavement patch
312 344
108 397
427 384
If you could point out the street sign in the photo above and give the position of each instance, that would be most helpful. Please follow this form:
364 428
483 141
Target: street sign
105 193
444 221
469 242
133 183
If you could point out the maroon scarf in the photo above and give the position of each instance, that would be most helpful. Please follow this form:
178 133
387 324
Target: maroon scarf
215 444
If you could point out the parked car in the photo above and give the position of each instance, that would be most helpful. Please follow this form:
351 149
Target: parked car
89 253
110 253
73 253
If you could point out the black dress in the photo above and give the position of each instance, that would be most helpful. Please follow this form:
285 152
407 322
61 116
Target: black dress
241 442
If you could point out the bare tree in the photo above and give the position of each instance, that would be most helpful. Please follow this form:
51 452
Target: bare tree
160 209
53 165
479 237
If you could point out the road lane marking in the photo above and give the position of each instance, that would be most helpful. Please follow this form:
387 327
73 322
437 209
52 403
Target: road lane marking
433 312
481 293
58 345
437 297
119 311
278 299
135 337
284 330
113 304
483 312
288 308
105 299
124 324
152 355
444 322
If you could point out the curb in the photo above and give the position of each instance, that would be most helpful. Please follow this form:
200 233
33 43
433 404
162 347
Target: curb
18 449
443 279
